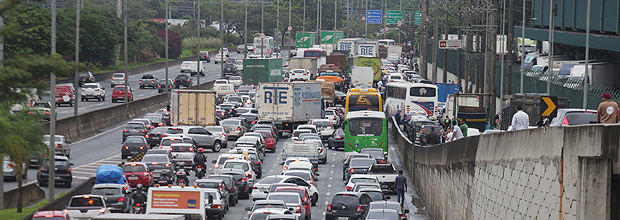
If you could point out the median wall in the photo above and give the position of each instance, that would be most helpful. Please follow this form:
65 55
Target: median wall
539 173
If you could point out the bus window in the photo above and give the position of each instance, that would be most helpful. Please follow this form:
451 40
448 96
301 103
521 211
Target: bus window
364 102
365 126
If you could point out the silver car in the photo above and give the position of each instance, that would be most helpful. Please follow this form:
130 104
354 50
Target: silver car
234 127
219 130
148 80
62 145
117 79
10 171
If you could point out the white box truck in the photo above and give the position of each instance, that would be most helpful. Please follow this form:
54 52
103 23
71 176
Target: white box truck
307 63
602 73
289 104
361 76
394 51
348 44
192 107
368 49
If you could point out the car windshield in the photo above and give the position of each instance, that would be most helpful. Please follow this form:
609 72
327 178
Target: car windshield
272 206
235 99
375 195
212 185
118 75
106 191
174 131
243 110
148 76
374 154
361 162
365 126
266 135
234 78
86 202
581 118
302 175
133 140
382 215
322 124
155 158
63 163
237 165
89 86
346 199
134 126
299 132
382 169
215 129
154 118
49 218
168 142
389 205
46 138
287 198
237 176
270 180
363 180
133 169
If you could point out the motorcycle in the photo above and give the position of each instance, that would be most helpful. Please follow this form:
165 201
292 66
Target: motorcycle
182 177
138 208
200 171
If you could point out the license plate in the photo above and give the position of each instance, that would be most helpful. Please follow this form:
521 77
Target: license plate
57 178
343 218
133 178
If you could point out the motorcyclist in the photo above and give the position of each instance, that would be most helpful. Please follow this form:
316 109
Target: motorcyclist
164 176
138 196
200 159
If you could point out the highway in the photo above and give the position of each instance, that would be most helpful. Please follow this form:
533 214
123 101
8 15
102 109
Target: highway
66 111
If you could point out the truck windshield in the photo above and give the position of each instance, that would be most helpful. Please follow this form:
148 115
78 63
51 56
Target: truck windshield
365 126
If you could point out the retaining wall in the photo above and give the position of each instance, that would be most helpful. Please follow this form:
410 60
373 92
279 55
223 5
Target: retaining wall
30 193
63 201
531 174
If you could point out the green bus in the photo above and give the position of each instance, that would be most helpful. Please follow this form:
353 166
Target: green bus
365 129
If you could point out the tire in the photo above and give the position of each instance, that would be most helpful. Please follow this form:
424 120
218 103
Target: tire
43 184
216 147
83 99
113 101
314 199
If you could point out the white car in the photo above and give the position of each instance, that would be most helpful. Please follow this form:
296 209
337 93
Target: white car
92 91
261 188
117 79
219 206
332 116
309 127
324 126
225 52
299 75
245 165
307 175
189 66
219 58
292 200
231 155
290 160
86 206
239 65
219 82
360 178
235 80
358 186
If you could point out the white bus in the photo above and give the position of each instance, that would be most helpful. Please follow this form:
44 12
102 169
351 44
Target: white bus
267 45
386 42
411 97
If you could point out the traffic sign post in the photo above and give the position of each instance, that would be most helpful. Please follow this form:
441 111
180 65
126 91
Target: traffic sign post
393 16
400 23
548 106
374 16
289 28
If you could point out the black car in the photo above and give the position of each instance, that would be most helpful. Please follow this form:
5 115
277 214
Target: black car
336 141
353 205
413 126
166 114
157 163
116 196
376 153
347 161
257 165
229 180
204 56
250 118
85 77
134 128
133 146
359 166
62 173
154 136
241 182
182 80
157 120
339 97
230 68
161 86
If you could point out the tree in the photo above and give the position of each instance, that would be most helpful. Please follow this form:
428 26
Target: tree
175 46
100 31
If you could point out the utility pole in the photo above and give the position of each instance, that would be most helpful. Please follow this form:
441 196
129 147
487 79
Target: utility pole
1 66
289 25
222 36
117 48
423 62
245 33
366 21
125 58
385 14
400 7
522 47
262 16
469 45
77 55
459 66
198 26
586 78
550 64
303 22
167 84
52 146
445 52
335 17
278 20
503 51
435 43
511 47
318 15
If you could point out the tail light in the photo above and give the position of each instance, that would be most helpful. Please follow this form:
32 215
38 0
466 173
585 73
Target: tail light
125 130
351 172
339 138
244 179
329 207
565 121
382 162
263 141
145 174
311 182
163 135
82 89
403 217
102 210
126 147
238 128
175 80
138 204
258 162
359 209
140 81
58 145
152 81
111 78
147 136
223 135
159 124
216 206
254 187
298 209
253 122
143 131
89 78
349 188
188 80
141 147
121 199
42 167
167 165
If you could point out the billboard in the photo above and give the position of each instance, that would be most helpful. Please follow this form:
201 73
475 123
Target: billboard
373 62
177 200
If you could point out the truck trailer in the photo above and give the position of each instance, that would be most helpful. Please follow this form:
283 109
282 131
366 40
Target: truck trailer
192 107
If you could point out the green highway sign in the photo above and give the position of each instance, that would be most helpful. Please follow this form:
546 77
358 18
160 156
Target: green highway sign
418 17
393 16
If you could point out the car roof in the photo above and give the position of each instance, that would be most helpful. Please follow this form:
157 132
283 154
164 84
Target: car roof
208 180
51 213
366 176
260 202
134 164
108 185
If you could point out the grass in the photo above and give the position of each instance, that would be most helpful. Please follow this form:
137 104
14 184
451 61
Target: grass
13 214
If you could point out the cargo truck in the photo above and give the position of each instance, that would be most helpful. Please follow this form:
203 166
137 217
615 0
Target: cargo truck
445 89
349 44
373 62
289 104
192 107
601 73
339 59
262 70
307 63
368 48
362 76
394 51
327 91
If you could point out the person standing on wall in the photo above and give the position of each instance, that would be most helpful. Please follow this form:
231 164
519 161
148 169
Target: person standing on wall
520 120
463 126
457 134
607 110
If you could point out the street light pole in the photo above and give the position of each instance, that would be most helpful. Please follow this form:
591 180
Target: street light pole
502 44
245 33
222 37
366 20
522 47
289 24
199 25
303 22
125 60
77 55
167 84
586 78
550 64
52 146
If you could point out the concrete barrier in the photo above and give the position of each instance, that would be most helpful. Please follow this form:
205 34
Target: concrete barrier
61 203
530 174
30 193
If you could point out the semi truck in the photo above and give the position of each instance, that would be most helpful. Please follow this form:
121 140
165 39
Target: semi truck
307 63
349 44
192 107
368 48
339 59
262 70
394 51
289 104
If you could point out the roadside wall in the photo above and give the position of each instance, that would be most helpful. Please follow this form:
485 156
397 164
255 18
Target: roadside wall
30 193
61 202
531 174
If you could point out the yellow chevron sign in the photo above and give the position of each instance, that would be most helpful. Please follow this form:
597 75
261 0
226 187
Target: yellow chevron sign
548 106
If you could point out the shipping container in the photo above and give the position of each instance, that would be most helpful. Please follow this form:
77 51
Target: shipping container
262 70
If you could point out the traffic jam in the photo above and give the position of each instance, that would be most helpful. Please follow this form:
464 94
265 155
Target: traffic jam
309 145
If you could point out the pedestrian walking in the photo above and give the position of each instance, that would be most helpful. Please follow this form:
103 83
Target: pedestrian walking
401 187
520 120
607 110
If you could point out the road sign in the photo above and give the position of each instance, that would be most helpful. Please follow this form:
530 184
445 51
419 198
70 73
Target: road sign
289 28
363 18
262 35
393 16
418 17
374 17
387 29
400 23
450 44
548 106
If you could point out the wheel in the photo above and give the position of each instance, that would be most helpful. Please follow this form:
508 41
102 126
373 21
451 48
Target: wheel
83 99
43 184
216 147
141 87
315 197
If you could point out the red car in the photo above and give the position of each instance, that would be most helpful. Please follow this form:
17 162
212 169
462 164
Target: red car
270 141
65 94
303 193
138 173
118 94
51 215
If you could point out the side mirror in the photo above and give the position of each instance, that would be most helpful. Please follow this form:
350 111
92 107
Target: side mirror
249 209
406 211
266 192
71 164
388 197
318 174
214 161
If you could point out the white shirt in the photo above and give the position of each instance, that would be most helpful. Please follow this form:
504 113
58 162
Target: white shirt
449 136
457 133
520 121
